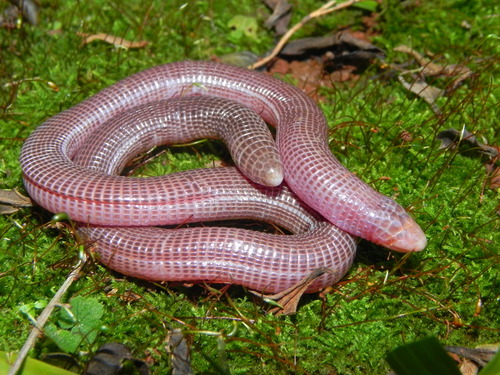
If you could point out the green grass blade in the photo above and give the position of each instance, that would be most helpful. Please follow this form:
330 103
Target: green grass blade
493 366
31 366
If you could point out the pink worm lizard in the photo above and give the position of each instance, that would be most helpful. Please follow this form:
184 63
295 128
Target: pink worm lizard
70 164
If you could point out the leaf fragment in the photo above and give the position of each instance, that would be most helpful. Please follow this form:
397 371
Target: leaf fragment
11 201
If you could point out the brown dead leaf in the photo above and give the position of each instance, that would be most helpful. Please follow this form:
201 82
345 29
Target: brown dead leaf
310 75
468 367
318 62
111 39
423 90
341 51
287 300
111 358
468 145
179 352
480 355
27 9
339 43
281 16
429 68
326 8
11 201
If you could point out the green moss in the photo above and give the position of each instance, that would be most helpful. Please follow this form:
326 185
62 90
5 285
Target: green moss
386 299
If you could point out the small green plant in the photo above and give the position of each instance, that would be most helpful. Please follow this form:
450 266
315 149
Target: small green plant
242 27
76 325
382 132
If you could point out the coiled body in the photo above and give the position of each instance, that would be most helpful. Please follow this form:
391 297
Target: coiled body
59 182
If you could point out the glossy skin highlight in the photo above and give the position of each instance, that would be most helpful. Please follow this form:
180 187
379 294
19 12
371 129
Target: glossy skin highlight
60 179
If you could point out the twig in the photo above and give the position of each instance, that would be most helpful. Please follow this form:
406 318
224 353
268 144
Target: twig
111 39
325 9
44 316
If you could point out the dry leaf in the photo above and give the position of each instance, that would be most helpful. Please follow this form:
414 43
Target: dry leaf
431 69
110 358
467 142
281 16
423 90
480 355
179 353
111 39
11 201
468 145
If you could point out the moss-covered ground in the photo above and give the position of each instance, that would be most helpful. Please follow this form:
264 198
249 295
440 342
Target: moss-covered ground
450 290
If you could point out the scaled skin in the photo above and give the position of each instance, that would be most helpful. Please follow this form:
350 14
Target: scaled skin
95 198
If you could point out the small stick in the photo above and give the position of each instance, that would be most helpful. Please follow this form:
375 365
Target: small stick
111 39
325 9
44 316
